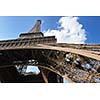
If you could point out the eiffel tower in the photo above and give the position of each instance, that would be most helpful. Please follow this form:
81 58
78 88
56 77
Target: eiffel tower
56 61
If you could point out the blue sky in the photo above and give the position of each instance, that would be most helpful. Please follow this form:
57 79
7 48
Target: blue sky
12 26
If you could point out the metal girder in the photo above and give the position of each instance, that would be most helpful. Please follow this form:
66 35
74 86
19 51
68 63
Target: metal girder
50 55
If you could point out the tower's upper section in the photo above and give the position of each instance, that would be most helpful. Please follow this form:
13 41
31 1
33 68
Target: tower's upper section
34 32
36 28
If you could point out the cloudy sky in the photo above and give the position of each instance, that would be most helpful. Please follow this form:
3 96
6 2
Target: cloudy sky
67 29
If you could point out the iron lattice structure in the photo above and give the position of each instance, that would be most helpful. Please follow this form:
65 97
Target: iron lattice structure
73 62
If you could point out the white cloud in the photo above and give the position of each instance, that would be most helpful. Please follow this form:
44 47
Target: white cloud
69 31
33 69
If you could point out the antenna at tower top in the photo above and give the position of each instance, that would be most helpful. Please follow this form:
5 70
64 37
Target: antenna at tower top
36 28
